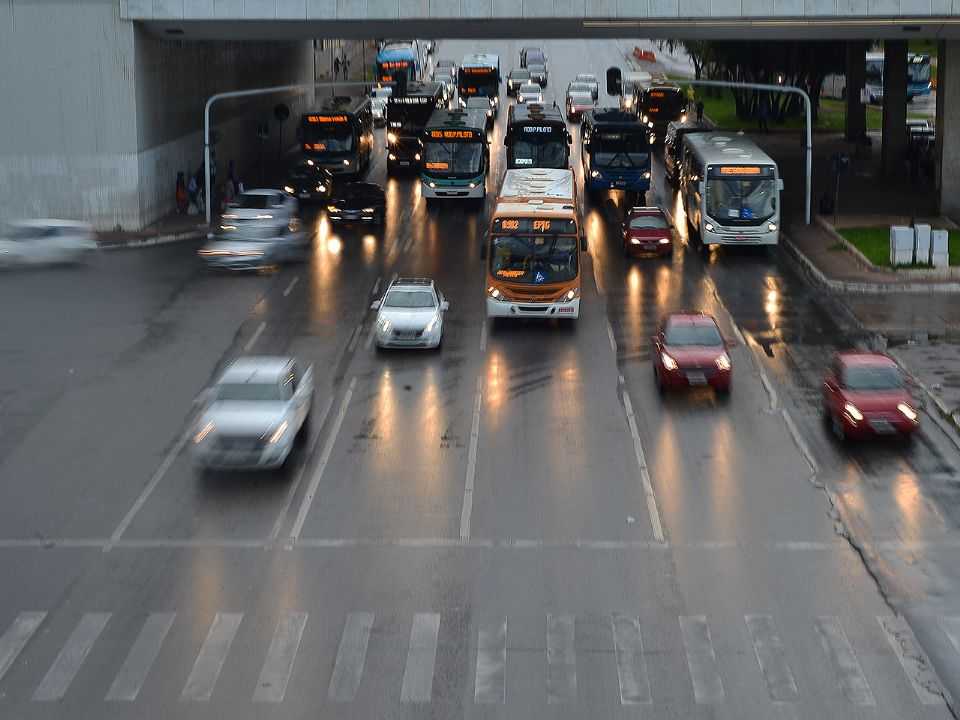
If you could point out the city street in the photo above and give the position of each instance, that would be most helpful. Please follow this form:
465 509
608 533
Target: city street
515 526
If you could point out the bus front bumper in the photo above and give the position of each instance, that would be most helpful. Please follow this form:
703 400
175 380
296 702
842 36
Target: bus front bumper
732 236
604 181
542 311
446 189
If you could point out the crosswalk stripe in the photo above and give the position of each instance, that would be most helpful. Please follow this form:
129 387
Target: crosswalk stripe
126 686
351 655
58 678
949 625
212 655
16 637
701 659
844 661
772 657
422 655
631 665
491 675
561 659
914 661
275 675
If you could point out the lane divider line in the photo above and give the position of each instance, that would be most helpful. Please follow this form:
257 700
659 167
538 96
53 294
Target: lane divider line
256 336
370 335
291 286
376 287
644 471
322 466
483 335
613 340
467 509
298 480
355 338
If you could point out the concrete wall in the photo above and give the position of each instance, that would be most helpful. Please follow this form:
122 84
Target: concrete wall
98 116
948 131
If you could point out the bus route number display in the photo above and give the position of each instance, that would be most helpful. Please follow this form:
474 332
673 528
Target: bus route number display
741 170
318 147
322 119
440 165
478 71
537 129
452 134
395 65
657 94
535 225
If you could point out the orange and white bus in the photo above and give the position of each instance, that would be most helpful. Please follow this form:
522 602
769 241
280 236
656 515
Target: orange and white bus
534 245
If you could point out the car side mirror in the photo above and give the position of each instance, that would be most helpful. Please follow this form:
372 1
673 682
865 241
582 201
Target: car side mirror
444 306
375 305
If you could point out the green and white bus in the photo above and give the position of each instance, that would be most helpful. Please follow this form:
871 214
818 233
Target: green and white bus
456 156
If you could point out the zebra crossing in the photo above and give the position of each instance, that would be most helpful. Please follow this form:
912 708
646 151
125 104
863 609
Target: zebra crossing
490 652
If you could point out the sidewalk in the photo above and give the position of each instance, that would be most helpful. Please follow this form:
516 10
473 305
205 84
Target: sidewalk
172 228
936 369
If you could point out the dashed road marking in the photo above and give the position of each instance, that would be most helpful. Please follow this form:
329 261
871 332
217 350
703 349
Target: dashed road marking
126 686
16 637
291 286
467 508
256 336
652 510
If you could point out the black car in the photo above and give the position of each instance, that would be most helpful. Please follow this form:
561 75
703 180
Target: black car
481 103
516 78
359 202
673 147
308 181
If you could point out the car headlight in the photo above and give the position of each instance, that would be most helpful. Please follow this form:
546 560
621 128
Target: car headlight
384 325
643 119
333 208
416 156
494 293
203 433
708 227
634 241
594 173
652 139
368 210
432 325
346 161
288 189
664 241
853 412
391 137
683 118
908 412
279 433
771 227
432 184
668 362
321 188
391 156
723 362
628 103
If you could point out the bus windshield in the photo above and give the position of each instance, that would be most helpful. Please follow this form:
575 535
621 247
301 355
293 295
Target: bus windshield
330 138
547 150
620 148
740 201
450 159
534 259
918 69
410 114
663 105
478 82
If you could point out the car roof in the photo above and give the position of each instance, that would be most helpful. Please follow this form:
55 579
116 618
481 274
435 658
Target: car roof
412 283
862 357
256 368
688 317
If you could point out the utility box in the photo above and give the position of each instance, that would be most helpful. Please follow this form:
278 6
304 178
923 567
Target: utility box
940 248
901 245
921 243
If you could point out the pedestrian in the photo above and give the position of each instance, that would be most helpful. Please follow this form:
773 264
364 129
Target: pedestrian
193 188
181 195
699 111
763 113
336 68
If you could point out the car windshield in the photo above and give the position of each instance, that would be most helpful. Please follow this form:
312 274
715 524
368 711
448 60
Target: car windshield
409 299
530 89
680 334
249 392
536 68
534 259
872 377
519 74
620 148
452 158
649 222
580 88
735 201
256 202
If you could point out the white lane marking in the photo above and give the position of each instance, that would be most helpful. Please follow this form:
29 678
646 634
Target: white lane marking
772 657
126 686
467 508
846 667
324 459
256 336
58 678
913 660
701 660
561 659
298 480
212 655
768 386
351 656
291 286
644 472
421 658
800 440
354 338
610 336
16 637
949 625
148 490
376 287
631 665
370 336
490 685
275 675
483 335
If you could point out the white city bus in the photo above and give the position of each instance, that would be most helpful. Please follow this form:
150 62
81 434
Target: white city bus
730 190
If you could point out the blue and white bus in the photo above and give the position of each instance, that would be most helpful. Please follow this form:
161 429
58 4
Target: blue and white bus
399 57
615 152
918 76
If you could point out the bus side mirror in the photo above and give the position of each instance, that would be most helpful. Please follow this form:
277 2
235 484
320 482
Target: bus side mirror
614 81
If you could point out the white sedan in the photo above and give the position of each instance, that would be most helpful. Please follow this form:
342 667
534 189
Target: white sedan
410 315
253 414
45 242
530 93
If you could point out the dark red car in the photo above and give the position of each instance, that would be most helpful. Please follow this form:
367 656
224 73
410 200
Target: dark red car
646 231
865 394
688 351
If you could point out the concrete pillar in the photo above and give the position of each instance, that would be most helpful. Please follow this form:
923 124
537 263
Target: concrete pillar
894 149
948 133
856 63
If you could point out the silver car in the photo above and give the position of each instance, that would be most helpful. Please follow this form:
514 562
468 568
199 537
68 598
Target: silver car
260 205
45 242
538 74
253 414
591 80
256 246
410 315
378 104
530 93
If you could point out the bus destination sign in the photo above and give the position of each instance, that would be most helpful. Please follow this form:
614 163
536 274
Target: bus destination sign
742 171
321 119
453 134
553 226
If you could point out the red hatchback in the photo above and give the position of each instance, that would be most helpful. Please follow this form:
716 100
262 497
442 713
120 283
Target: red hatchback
864 394
690 351
646 231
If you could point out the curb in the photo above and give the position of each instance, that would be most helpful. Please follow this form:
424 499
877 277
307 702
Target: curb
951 418
154 241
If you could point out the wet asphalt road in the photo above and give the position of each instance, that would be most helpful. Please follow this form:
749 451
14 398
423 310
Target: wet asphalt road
481 541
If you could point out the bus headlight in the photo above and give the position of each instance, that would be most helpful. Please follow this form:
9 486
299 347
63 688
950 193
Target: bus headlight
494 293
708 227
771 227
646 175
346 161
594 173
416 156
472 185
391 137
391 156
432 184
321 188
571 294
288 189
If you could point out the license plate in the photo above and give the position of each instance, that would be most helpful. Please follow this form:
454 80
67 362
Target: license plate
620 183
304 195
882 427
696 378
566 310
404 163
